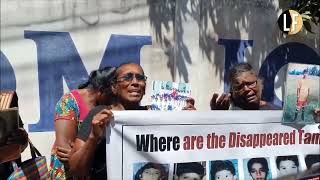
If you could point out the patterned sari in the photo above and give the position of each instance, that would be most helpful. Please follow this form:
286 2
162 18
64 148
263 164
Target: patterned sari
70 107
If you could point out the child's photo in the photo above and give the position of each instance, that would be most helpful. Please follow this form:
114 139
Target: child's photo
302 104
150 171
224 170
257 169
287 166
190 171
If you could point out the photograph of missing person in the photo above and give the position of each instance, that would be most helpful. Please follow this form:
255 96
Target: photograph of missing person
302 96
150 171
313 161
190 171
224 170
257 169
287 166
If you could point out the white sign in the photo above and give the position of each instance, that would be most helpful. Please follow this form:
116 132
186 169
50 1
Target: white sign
240 138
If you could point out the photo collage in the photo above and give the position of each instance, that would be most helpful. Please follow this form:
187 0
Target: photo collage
258 168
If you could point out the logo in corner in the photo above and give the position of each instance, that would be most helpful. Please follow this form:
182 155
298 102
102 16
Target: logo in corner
290 22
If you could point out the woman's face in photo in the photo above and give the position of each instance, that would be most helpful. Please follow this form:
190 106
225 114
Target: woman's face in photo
287 167
258 172
150 174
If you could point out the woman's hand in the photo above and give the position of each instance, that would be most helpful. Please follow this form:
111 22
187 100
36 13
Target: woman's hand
221 103
190 105
99 123
64 154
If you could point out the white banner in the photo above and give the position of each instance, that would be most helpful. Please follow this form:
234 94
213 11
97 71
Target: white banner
49 47
240 138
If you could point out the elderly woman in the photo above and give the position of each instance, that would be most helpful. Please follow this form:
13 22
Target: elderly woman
245 91
88 154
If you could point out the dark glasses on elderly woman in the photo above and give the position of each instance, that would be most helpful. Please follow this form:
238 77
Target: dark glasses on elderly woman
249 85
129 77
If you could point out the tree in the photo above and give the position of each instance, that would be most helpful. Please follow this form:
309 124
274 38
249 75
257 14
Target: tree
309 10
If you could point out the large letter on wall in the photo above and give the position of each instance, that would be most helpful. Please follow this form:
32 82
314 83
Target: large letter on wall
57 59
7 77
290 52
234 53
123 49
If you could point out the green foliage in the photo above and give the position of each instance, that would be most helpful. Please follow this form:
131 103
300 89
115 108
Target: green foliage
290 109
309 10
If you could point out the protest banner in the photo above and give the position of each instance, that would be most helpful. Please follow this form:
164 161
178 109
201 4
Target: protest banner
49 48
239 137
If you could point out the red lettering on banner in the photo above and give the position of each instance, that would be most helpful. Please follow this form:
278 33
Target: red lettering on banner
214 141
269 139
263 140
308 138
300 136
192 142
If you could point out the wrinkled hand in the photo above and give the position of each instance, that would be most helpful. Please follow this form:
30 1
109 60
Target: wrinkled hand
190 105
63 154
221 103
99 123
20 136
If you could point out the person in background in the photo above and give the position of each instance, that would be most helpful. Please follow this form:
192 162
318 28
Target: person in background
245 91
16 138
71 110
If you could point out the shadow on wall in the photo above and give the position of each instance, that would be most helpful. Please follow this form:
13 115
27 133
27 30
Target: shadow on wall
162 17
169 15
227 19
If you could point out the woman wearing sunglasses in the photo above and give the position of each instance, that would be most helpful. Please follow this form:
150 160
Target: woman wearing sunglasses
89 153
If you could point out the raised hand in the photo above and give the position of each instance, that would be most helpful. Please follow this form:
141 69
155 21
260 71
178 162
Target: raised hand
221 103
190 105
99 123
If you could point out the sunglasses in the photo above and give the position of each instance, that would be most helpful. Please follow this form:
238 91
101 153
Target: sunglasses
248 84
129 77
